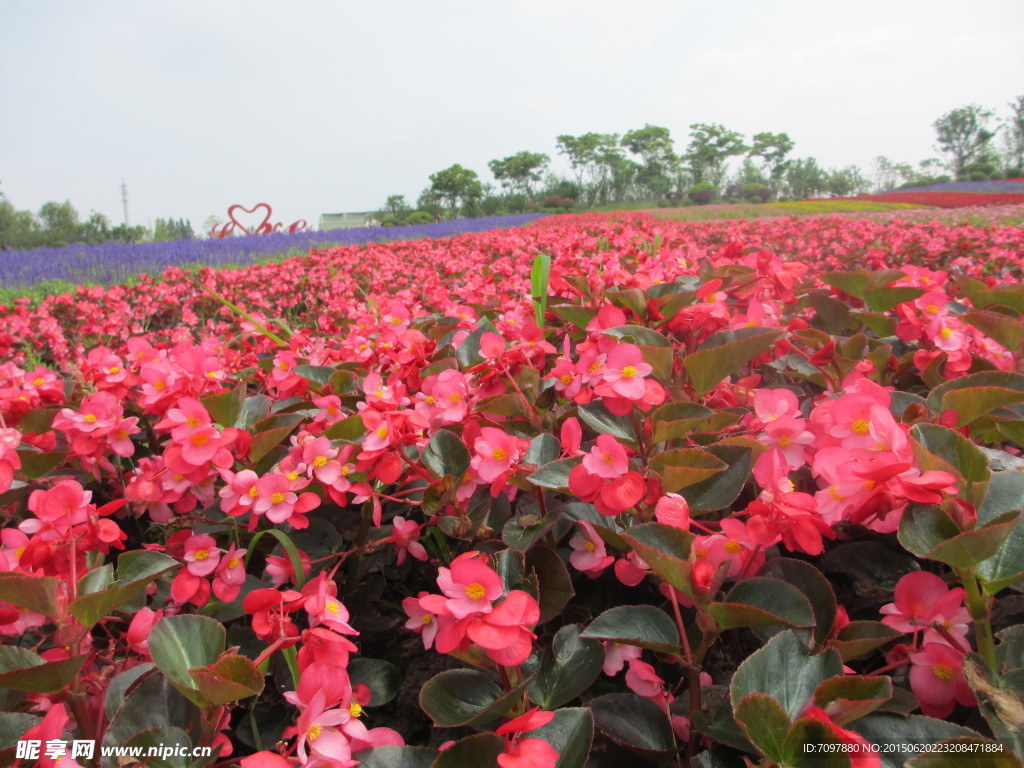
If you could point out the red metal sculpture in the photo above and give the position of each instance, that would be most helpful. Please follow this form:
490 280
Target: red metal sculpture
263 228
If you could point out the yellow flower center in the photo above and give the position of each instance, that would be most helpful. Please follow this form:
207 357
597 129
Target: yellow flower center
200 440
860 426
253 493
201 554
945 333
430 400
942 671
319 461
566 379
834 493
332 606
475 591
39 382
282 366
232 563
700 553
455 397
589 546
192 421
115 370
314 732
276 498
354 709
159 386
382 431
608 458
732 547
345 470
629 372
292 476
427 618
499 454
785 440
594 367
89 418
931 309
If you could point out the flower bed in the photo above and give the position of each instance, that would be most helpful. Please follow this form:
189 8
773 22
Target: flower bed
603 486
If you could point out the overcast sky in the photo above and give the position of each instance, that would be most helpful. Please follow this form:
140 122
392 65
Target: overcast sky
320 107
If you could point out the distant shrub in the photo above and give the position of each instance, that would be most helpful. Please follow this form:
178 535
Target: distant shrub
978 176
755 189
665 203
532 207
703 193
734 190
996 176
417 218
755 199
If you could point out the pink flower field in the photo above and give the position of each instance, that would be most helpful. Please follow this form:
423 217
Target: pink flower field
602 488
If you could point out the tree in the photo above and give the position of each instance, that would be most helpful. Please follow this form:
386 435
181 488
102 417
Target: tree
653 145
60 222
711 145
963 135
844 182
1014 127
597 161
772 148
456 186
96 228
519 172
805 178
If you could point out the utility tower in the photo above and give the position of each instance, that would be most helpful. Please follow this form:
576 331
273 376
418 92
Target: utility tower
124 201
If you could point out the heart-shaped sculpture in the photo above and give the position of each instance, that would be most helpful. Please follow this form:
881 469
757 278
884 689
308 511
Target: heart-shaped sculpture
262 227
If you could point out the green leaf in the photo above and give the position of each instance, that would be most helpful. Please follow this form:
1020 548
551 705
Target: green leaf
641 625
269 433
723 488
1010 651
808 735
834 314
759 601
392 756
36 593
578 316
13 726
568 668
178 644
383 678
849 697
481 749
570 733
159 737
1005 330
523 531
317 375
977 394
466 697
675 420
136 570
930 532
468 352
860 637
968 751
118 687
724 353
666 549
225 408
446 454
884 299
555 474
683 467
230 678
553 581
939 448
539 285
853 283
35 464
343 382
22 670
544 448
897 735
596 416
766 724
784 669
350 428
815 587
153 703
289 548
633 722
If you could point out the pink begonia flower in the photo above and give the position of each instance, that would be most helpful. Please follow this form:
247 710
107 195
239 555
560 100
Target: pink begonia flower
405 534
527 753
140 627
631 569
617 654
319 456
789 435
860 749
570 435
672 509
773 404
589 554
420 619
496 452
503 631
470 587
316 730
201 555
937 679
230 575
450 394
642 680
607 459
625 370
921 599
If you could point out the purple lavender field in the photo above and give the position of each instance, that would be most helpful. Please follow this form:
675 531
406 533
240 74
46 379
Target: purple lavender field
111 263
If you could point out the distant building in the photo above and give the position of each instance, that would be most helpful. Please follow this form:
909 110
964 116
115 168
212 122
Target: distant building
329 221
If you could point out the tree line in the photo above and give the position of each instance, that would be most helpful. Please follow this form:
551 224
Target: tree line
59 224
643 165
